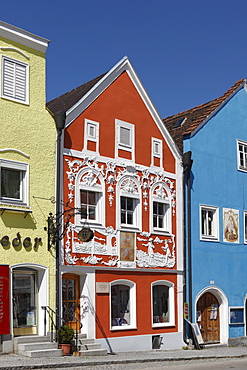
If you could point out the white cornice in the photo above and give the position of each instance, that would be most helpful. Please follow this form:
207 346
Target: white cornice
23 37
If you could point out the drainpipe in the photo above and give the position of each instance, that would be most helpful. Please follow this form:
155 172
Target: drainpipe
187 163
59 118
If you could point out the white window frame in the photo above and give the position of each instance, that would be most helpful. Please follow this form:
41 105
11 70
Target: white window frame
245 227
132 304
215 222
122 146
171 303
24 186
242 167
137 214
14 96
87 137
168 214
157 154
100 207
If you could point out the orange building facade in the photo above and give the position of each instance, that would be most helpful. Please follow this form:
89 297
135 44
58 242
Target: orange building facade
121 261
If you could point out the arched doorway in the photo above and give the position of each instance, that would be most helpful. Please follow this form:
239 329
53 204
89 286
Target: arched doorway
208 317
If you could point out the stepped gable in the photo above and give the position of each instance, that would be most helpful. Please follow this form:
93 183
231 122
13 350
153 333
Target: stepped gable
66 101
186 122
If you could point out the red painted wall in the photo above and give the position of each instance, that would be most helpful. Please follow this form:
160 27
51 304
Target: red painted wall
120 101
143 282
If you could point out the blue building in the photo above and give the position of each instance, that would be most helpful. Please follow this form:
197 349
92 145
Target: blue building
213 140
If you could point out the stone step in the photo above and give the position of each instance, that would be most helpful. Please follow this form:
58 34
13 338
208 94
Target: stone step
89 346
31 339
93 352
44 353
85 341
34 346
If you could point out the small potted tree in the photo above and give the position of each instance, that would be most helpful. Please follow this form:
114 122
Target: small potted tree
65 335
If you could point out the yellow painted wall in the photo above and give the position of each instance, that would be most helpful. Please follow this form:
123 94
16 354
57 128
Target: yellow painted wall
31 130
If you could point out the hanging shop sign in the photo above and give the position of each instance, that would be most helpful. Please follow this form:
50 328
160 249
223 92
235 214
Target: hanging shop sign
4 300
86 234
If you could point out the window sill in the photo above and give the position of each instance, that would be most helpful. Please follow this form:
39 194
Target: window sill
209 239
123 327
161 232
129 228
14 208
162 324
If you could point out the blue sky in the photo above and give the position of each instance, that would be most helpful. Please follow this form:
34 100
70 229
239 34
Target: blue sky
185 52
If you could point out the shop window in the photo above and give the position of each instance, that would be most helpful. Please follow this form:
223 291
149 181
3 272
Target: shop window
123 310
162 303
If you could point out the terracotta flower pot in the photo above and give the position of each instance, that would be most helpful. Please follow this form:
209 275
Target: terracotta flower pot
66 348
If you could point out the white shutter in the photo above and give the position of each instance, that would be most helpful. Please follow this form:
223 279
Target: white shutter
20 82
8 78
14 79
124 136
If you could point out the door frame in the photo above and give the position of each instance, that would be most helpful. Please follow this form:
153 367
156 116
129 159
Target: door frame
223 309
42 292
72 276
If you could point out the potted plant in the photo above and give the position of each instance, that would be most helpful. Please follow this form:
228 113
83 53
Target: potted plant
65 335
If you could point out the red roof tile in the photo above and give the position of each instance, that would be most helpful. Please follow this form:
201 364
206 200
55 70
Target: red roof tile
196 116
66 101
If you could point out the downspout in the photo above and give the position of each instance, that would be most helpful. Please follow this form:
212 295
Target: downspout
187 163
59 118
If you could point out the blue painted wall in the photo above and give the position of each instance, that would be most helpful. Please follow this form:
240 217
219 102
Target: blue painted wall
216 181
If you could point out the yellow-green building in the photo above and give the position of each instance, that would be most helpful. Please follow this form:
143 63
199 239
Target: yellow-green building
27 182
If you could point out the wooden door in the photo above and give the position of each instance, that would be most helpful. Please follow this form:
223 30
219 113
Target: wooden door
208 318
71 300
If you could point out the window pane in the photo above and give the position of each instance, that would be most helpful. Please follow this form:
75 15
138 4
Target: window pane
24 305
91 198
120 311
83 197
125 136
160 304
130 202
88 204
10 183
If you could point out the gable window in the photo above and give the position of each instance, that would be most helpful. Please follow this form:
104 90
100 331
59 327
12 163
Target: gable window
14 182
125 140
123 305
91 136
161 210
242 155
209 222
15 76
162 303
156 152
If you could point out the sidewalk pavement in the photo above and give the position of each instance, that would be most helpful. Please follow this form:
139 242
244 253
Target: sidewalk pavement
16 362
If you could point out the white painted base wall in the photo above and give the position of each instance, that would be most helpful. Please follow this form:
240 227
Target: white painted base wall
142 342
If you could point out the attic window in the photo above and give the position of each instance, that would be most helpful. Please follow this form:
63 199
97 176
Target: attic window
179 122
